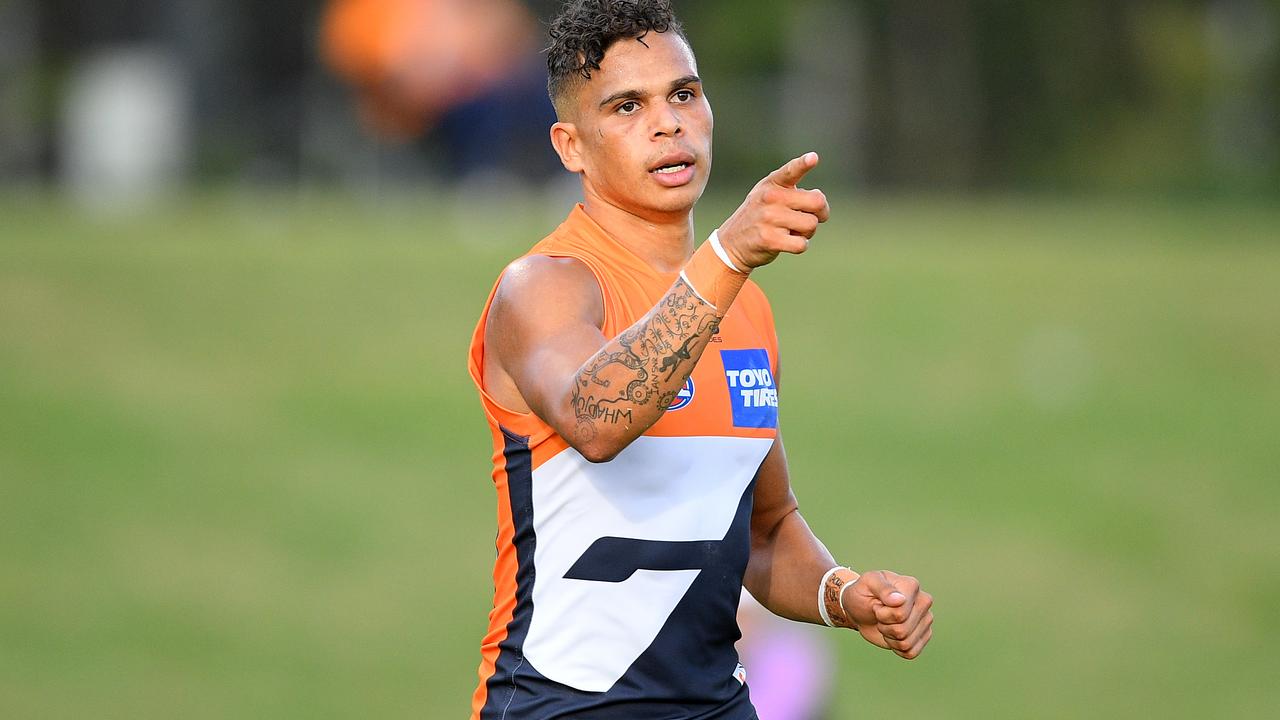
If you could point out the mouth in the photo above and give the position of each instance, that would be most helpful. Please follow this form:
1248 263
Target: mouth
674 170
671 169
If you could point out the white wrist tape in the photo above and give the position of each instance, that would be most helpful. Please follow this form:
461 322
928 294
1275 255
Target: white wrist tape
822 600
720 251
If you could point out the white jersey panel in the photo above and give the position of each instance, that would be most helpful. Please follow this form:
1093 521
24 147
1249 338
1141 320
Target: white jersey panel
584 633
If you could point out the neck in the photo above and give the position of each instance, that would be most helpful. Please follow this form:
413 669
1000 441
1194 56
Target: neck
664 240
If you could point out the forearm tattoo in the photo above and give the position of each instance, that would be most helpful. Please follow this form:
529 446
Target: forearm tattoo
638 375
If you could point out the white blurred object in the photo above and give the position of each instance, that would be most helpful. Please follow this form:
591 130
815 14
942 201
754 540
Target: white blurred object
125 128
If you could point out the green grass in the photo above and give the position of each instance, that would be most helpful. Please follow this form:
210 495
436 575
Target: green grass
243 472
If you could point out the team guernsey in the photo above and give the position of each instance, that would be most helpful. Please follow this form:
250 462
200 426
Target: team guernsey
617 583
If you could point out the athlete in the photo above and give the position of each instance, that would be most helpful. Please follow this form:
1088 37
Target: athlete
630 384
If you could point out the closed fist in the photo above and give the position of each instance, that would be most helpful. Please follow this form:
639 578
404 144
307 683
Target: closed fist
891 611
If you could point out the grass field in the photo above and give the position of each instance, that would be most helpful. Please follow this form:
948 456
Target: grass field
243 473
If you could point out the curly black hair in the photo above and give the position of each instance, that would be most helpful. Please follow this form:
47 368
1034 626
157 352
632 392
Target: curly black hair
585 29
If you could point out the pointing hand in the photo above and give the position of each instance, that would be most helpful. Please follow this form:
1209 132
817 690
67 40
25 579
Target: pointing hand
776 217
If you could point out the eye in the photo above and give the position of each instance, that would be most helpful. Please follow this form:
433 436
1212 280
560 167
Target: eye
683 96
628 107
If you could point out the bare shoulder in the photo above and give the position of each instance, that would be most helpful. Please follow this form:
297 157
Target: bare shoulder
544 321
542 289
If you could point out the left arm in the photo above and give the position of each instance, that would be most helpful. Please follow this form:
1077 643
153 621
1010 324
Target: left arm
787 560
788 563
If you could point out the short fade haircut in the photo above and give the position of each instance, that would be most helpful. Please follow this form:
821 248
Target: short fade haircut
585 30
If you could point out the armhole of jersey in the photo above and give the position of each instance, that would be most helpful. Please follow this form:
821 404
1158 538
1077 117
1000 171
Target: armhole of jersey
766 309
499 415
762 312
523 423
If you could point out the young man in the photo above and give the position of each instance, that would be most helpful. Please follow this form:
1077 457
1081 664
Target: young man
631 387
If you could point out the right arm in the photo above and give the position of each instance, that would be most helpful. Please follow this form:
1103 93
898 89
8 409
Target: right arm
546 352
599 394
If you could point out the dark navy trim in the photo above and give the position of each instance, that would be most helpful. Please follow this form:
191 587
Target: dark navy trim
502 685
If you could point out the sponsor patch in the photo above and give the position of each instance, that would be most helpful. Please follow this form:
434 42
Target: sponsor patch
752 392
684 397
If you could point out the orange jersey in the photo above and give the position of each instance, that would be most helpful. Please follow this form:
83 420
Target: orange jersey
616 584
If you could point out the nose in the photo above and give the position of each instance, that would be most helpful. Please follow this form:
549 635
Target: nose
667 123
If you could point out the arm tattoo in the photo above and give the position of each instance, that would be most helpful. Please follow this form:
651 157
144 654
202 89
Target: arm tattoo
645 367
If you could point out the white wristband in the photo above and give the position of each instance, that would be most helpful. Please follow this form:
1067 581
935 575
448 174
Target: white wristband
720 252
822 601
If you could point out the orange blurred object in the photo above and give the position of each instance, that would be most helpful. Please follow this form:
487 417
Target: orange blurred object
412 60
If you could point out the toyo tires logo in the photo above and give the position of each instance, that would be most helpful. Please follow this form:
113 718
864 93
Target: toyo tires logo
753 395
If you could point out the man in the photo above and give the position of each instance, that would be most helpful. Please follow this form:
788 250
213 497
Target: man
630 385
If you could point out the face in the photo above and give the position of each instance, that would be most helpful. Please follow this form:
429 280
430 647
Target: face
640 131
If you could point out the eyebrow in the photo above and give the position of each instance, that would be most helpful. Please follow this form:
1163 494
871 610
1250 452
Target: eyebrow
637 95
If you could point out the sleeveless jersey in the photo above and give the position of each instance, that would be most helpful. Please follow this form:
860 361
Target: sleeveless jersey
617 583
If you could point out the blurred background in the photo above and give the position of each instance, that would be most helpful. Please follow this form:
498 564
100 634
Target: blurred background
242 247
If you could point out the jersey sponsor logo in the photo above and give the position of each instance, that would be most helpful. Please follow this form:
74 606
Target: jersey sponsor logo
684 397
752 392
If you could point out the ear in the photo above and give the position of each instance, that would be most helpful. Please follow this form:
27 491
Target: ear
564 138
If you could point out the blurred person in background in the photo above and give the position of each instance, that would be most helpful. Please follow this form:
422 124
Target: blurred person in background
465 70
791 664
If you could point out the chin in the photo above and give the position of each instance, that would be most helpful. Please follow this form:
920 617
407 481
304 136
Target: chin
677 200
672 208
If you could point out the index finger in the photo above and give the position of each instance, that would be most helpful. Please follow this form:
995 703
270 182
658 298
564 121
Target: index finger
790 174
